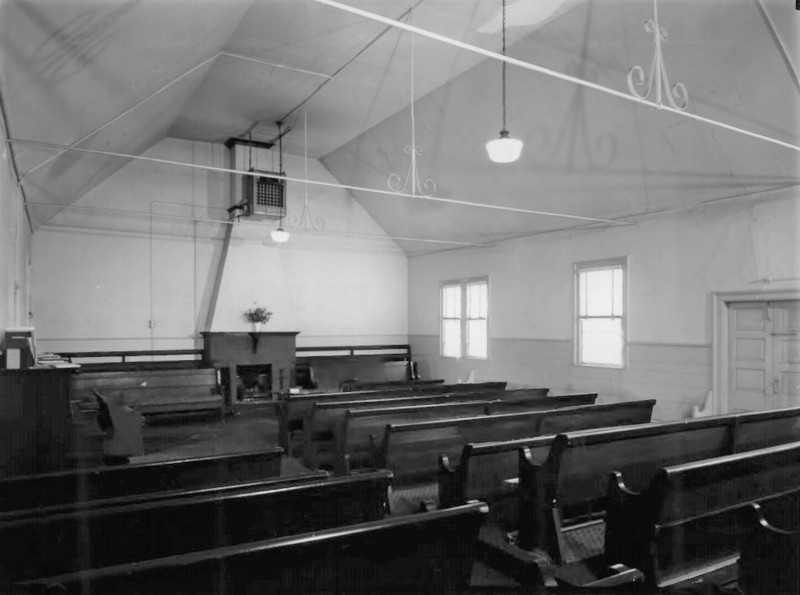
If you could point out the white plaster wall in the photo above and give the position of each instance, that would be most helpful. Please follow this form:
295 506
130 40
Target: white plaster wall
15 246
675 262
103 275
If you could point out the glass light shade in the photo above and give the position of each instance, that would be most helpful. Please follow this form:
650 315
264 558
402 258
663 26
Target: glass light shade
504 149
280 235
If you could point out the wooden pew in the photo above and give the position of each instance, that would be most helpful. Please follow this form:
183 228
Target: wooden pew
487 468
323 416
428 553
319 424
354 385
567 478
684 524
360 434
57 544
769 549
292 409
63 487
160 391
321 421
162 496
355 442
417 451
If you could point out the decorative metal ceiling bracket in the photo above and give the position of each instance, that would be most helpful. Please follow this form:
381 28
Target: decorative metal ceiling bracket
676 95
412 184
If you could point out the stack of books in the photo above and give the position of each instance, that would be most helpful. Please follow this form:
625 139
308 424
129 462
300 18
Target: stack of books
53 360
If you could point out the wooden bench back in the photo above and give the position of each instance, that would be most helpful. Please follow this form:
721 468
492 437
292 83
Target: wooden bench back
360 435
106 482
486 465
353 385
521 401
573 478
413 450
107 536
293 409
162 496
686 521
151 391
428 553
320 423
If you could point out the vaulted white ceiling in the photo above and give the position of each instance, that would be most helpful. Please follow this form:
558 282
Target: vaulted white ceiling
120 75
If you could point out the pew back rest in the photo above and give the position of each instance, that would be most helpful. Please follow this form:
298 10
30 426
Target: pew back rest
426 553
126 533
319 433
361 435
105 482
765 428
607 415
485 469
415 447
292 410
714 485
150 391
637 451
687 520
527 402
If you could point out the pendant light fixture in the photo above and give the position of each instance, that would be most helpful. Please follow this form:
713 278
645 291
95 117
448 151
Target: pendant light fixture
504 149
280 235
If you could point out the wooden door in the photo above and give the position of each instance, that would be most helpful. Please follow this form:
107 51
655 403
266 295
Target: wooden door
763 355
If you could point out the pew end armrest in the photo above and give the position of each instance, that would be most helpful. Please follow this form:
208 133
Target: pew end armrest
595 573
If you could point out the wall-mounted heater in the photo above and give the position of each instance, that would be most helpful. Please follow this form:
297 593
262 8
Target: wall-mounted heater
264 196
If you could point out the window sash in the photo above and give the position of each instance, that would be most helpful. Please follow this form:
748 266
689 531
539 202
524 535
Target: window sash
600 333
464 319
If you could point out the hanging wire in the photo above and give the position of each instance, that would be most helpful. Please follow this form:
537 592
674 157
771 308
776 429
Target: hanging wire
504 66
306 220
426 188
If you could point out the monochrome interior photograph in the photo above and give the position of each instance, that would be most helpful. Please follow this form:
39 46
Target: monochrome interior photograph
364 296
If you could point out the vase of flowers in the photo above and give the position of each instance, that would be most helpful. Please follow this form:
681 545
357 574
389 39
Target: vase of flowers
257 315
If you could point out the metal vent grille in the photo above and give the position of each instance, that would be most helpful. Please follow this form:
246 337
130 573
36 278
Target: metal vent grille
264 196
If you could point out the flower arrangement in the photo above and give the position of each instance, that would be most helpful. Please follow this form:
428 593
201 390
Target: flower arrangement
257 314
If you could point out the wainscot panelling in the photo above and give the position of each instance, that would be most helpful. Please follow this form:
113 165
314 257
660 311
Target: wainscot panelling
678 376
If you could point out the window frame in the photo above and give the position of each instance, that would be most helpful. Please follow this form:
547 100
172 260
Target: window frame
463 320
601 264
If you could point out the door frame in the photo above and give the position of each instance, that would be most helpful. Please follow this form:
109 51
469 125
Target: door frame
721 301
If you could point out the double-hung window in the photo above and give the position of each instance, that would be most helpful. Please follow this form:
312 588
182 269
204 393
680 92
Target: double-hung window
601 324
465 313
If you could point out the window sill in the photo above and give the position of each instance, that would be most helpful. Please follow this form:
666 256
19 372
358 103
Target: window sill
599 366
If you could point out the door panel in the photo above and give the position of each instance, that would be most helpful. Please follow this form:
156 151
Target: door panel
786 365
764 355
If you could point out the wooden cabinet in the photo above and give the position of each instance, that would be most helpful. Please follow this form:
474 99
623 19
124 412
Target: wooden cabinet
35 421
